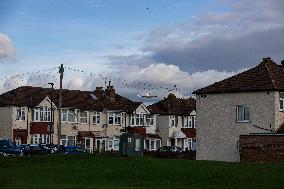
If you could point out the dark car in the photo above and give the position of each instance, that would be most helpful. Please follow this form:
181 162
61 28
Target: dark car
74 150
36 149
168 151
7 148
25 148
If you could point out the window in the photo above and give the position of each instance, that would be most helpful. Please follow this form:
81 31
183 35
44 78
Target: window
84 117
189 122
116 144
137 145
21 114
173 121
243 114
41 114
281 98
96 118
149 120
40 139
137 119
70 115
115 118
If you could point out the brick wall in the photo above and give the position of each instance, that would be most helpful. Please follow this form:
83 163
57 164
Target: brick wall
262 148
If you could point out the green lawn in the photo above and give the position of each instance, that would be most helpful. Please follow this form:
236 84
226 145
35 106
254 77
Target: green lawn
93 171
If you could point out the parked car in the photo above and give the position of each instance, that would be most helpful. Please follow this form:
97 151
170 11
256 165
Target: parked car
7 148
25 148
168 151
74 150
36 149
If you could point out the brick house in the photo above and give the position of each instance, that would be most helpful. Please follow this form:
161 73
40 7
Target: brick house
251 102
92 119
176 121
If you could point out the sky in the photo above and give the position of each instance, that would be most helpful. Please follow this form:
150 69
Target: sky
184 44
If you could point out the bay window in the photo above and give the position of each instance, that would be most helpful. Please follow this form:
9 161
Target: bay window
41 114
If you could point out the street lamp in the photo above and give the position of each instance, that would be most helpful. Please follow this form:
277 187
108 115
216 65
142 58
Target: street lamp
51 114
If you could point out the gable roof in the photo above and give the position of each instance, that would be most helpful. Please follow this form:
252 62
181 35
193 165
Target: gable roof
33 96
267 76
173 106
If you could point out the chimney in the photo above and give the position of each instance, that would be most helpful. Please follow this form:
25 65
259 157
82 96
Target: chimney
99 92
110 92
171 96
282 62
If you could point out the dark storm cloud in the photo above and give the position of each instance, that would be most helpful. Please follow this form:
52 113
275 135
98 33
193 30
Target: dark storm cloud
230 40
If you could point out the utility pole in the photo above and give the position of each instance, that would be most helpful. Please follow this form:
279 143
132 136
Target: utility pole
61 71
51 114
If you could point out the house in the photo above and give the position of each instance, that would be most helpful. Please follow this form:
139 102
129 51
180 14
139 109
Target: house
251 102
92 119
176 121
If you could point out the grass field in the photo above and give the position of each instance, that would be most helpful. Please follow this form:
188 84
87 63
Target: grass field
93 171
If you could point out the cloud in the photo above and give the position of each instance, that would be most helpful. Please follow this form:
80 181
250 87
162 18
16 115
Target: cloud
6 48
222 40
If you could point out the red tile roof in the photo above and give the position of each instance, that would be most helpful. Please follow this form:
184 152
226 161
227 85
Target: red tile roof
173 106
267 76
86 100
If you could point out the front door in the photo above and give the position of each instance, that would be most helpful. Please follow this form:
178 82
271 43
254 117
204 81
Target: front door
89 144
172 142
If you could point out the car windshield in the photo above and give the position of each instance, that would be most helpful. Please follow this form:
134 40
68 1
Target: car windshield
6 144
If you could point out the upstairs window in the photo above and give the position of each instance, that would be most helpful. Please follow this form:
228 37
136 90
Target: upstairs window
115 118
41 114
281 101
173 121
96 118
137 119
70 115
149 120
84 117
189 122
21 114
243 114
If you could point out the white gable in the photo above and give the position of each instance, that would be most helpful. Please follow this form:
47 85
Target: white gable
142 109
46 102
193 113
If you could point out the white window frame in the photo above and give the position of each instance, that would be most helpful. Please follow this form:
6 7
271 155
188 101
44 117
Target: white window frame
67 113
21 114
149 119
84 117
41 114
96 118
137 144
243 107
173 121
138 119
281 101
117 118
40 139
110 144
189 122
116 144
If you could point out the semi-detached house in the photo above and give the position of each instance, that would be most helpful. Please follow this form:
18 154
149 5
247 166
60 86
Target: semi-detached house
176 121
251 102
92 119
